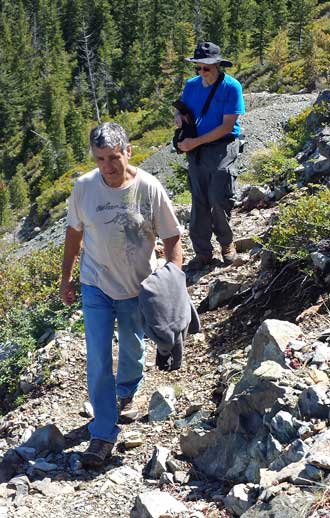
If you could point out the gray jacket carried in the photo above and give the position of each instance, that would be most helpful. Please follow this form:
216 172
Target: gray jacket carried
168 314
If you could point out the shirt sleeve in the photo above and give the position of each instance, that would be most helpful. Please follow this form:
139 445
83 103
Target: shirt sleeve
234 102
74 219
166 223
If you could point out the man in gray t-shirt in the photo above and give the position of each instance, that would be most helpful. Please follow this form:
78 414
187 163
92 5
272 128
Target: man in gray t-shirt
115 214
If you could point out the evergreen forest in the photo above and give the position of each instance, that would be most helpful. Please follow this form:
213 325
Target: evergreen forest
66 64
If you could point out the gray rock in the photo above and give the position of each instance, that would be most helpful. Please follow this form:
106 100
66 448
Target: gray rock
274 448
281 506
26 453
166 478
294 453
270 370
41 465
158 462
270 342
10 465
324 142
154 504
319 454
52 489
314 401
195 419
282 427
181 477
161 404
74 462
241 497
194 442
322 352
257 194
221 292
46 440
244 244
87 409
321 261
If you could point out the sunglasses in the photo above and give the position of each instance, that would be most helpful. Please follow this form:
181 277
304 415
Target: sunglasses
205 69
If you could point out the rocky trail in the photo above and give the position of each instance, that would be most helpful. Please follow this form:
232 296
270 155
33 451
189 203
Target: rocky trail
253 393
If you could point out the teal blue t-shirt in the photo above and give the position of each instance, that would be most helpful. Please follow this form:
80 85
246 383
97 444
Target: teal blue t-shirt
227 100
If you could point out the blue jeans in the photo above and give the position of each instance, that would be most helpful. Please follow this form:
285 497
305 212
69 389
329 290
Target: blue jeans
100 312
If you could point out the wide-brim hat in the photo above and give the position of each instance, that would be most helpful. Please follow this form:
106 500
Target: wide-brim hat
209 53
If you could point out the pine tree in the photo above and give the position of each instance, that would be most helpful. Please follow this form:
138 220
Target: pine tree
310 53
279 14
54 94
109 56
277 54
5 211
18 82
241 19
19 190
261 34
77 133
215 21
301 15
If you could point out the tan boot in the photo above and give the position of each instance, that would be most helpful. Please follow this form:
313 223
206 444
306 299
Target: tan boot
229 253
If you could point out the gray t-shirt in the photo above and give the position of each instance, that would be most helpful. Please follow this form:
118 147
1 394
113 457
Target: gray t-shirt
120 226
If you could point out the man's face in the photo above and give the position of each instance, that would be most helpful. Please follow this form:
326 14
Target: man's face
113 164
208 72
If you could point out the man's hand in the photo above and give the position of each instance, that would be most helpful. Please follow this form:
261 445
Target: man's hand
188 144
67 292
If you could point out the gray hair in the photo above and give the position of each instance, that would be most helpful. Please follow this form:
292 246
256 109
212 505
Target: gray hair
109 134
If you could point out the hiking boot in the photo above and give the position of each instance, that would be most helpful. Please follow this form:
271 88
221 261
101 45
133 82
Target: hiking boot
199 261
229 253
128 412
96 453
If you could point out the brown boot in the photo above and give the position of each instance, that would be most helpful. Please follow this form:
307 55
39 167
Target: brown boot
229 253
96 453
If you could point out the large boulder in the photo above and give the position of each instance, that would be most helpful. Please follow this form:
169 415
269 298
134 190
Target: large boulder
239 446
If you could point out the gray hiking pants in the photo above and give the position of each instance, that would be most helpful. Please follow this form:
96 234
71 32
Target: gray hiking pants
212 179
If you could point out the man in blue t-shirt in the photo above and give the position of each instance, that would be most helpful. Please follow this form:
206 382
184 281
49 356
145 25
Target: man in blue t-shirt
212 153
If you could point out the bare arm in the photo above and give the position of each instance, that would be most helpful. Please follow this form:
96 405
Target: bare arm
220 131
173 250
72 246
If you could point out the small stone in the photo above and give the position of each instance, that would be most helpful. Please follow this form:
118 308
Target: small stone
161 404
166 478
318 376
158 461
87 410
181 477
132 439
154 504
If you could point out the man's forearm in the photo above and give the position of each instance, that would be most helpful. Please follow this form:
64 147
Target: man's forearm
72 247
173 250
215 134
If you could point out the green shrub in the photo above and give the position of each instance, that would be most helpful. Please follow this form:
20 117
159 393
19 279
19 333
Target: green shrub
29 303
273 165
298 132
301 225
